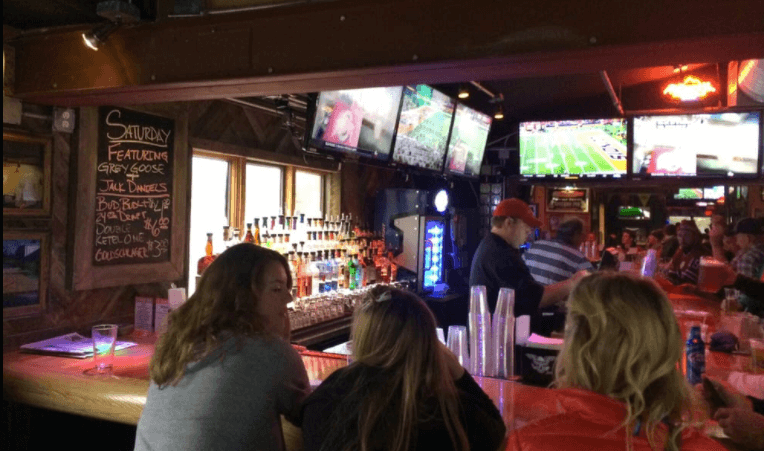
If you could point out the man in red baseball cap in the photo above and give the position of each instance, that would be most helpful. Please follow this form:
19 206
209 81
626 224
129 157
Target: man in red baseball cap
497 263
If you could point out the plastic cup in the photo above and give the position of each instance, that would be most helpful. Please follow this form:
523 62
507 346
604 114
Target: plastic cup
457 343
439 333
104 341
710 274
503 335
479 320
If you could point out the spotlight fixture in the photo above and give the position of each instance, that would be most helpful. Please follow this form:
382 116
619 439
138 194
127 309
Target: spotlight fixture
98 35
117 12
464 93
499 114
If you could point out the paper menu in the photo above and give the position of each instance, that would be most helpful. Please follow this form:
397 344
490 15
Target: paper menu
69 345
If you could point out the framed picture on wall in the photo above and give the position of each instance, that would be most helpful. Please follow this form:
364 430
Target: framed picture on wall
26 268
26 174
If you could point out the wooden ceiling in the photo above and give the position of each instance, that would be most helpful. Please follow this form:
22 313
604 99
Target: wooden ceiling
552 63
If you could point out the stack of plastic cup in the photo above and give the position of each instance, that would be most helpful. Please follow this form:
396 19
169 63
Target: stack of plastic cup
480 333
457 343
503 335
650 263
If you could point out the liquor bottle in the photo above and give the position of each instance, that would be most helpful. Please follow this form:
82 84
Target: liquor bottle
249 237
330 257
393 272
370 271
236 237
359 280
382 267
257 231
696 356
208 258
226 237
352 280
315 275
293 266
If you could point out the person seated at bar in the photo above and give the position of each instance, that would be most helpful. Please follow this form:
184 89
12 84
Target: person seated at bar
497 263
628 250
404 389
742 419
684 266
224 371
655 241
723 242
617 377
749 236
670 243
552 261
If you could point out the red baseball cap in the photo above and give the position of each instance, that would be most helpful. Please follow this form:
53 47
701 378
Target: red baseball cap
515 208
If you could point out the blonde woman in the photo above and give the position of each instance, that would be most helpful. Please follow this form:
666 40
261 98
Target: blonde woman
617 377
224 372
404 389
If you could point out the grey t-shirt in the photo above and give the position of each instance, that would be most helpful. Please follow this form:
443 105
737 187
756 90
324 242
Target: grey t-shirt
233 404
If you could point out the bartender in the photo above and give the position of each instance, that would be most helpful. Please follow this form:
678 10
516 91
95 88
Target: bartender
497 263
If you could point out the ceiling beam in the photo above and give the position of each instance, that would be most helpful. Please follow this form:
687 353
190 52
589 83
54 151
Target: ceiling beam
346 44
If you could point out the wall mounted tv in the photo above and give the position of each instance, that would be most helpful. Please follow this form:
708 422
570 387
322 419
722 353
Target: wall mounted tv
357 121
697 145
709 193
584 148
466 146
425 120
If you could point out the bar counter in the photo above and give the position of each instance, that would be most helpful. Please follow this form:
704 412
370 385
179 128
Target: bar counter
68 385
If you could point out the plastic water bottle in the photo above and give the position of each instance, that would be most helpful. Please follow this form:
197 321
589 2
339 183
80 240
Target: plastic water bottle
696 356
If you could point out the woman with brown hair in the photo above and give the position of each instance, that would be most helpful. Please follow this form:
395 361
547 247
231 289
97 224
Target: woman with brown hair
617 378
224 371
404 390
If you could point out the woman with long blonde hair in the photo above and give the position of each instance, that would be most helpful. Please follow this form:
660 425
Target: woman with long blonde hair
617 378
404 390
224 371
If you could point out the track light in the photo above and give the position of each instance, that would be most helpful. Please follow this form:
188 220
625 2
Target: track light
499 114
98 35
464 93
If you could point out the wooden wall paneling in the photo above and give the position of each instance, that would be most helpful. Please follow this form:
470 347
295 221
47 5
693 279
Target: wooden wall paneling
333 188
67 310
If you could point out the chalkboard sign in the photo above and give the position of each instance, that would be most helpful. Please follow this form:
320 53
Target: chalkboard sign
134 186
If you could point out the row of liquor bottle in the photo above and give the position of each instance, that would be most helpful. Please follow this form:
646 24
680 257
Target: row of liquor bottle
283 233
330 270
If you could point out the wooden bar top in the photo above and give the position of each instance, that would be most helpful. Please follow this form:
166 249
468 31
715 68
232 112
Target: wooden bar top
68 385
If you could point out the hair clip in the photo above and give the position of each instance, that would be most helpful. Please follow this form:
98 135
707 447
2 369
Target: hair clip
386 296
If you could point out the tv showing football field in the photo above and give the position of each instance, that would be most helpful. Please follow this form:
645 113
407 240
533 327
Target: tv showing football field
584 148
423 127
466 146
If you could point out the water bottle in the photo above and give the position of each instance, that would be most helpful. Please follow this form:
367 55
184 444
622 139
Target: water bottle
480 333
696 356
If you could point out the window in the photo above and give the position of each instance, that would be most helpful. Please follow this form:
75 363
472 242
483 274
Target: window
232 190
308 193
263 196
209 208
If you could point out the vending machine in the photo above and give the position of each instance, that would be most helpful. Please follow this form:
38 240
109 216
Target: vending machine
415 226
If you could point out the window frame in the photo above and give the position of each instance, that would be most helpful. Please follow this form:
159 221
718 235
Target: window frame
237 183
323 175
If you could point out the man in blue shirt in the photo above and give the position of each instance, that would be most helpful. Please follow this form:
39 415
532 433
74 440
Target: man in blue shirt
497 263
552 261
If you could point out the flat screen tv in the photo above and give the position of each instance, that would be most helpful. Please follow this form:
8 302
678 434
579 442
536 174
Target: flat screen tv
697 145
357 121
466 145
425 120
583 148
689 194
